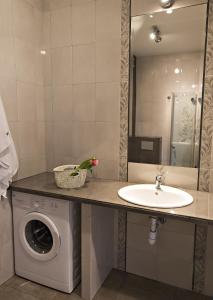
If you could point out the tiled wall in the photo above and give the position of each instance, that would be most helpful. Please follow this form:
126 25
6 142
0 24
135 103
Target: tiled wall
21 87
21 80
82 76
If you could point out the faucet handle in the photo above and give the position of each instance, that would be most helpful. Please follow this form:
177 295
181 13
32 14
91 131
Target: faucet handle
159 177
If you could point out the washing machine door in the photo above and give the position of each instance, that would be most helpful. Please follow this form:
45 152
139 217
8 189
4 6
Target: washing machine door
39 236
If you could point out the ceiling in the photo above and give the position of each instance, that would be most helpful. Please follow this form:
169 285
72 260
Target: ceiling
182 31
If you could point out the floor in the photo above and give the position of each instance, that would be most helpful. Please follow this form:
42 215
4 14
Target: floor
118 286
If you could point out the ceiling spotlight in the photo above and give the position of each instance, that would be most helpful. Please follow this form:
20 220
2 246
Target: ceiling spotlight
166 3
155 34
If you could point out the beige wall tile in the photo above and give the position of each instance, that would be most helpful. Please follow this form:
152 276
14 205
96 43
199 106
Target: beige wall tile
48 103
14 128
84 102
46 31
30 166
39 67
27 139
26 101
108 20
62 103
84 64
79 2
49 146
41 147
23 21
108 61
83 140
25 61
107 169
8 94
7 57
37 27
56 4
47 68
83 27
5 18
107 104
62 143
62 65
37 3
40 104
107 140
61 27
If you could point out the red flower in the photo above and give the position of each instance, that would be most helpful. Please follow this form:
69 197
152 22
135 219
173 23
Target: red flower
94 162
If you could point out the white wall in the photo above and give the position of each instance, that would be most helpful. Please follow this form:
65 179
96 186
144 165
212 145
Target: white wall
21 87
21 80
82 82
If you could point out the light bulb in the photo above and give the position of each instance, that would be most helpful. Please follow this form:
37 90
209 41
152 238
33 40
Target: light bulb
152 36
43 52
177 71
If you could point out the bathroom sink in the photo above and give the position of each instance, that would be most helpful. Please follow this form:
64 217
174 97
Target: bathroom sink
148 195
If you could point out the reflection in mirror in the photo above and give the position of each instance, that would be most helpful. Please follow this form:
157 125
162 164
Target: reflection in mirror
166 76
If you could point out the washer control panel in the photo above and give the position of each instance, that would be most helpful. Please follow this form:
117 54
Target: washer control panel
38 203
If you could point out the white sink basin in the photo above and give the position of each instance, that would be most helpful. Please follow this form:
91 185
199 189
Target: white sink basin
147 195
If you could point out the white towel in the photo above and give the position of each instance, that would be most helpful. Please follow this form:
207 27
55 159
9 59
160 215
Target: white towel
8 155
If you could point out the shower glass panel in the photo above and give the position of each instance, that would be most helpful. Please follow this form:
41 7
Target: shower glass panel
185 129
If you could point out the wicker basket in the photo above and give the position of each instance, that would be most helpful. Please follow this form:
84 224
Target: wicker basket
65 181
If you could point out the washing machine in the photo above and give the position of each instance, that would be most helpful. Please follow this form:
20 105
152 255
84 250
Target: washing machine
47 240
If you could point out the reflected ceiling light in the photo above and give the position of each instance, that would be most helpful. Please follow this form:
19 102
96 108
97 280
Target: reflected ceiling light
169 11
166 3
152 35
177 71
193 86
155 34
43 52
151 16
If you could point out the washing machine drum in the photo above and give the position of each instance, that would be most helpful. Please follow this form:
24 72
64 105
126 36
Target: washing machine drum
39 236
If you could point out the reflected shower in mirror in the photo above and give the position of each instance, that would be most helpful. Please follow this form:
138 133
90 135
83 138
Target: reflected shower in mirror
166 86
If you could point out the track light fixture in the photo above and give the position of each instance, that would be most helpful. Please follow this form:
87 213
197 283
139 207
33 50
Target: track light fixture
155 34
166 3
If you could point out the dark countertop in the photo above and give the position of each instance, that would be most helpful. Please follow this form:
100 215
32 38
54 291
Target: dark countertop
104 192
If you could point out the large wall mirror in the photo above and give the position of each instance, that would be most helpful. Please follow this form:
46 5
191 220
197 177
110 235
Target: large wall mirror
166 82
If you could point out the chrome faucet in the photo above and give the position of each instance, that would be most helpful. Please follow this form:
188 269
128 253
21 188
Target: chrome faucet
158 182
